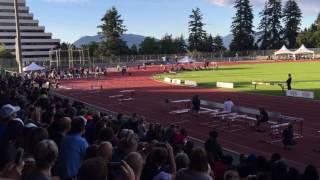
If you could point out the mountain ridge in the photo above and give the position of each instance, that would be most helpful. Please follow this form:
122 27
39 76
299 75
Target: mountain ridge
132 39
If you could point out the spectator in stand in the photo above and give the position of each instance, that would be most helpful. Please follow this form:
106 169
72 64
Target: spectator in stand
45 154
262 176
228 105
136 162
128 143
231 175
155 167
287 137
105 135
275 158
7 113
188 147
72 150
182 137
198 167
182 161
213 148
93 169
220 167
170 134
34 135
91 152
13 170
10 143
310 173
195 105
279 171
105 151
60 129
293 174
263 117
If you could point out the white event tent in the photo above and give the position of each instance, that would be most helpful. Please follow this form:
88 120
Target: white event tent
186 59
304 51
283 51
33 67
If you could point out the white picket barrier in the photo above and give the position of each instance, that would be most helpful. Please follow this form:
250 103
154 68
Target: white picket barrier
190 83
176 81
302 94
225 85
167 80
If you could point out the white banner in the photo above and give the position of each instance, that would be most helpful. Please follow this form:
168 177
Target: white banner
225 85
302 94
168 80
190 83
176 81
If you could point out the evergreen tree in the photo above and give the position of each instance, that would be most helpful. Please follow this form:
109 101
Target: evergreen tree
310 37
263 27
207 44
270 25
66 46
167 45
93 49
149 46
197 34
112 28
218 44
134 50
242 27
292 19
180 45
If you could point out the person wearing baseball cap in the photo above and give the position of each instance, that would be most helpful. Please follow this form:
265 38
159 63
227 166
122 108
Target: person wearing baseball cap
7 113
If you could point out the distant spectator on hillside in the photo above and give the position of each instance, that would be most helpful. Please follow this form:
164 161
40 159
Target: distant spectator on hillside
289 80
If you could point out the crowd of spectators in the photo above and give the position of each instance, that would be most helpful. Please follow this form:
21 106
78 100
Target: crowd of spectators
43 136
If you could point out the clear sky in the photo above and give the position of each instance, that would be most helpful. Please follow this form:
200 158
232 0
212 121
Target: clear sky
71 19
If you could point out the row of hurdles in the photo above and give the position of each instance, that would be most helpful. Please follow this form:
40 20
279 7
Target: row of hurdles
241 118
125 95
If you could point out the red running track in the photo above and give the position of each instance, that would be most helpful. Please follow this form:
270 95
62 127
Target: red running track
150 102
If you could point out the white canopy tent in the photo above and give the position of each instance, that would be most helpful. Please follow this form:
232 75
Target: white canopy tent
303 51
33 67
185 60
283 51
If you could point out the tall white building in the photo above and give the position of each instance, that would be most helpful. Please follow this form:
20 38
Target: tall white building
35 42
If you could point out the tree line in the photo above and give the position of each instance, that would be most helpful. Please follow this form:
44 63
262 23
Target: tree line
278 26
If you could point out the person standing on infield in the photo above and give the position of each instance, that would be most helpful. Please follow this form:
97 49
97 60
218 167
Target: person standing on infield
289 82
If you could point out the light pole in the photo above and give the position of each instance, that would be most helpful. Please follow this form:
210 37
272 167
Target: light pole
18 38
